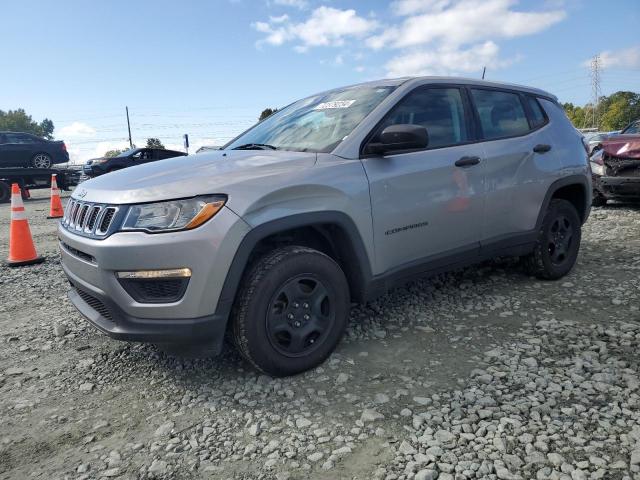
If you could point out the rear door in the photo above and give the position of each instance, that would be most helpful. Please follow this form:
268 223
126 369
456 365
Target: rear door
519 158
424 206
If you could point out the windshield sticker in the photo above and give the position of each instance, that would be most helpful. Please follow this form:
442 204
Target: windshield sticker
336 104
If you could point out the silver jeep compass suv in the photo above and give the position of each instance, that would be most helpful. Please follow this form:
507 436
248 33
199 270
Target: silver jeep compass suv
333 199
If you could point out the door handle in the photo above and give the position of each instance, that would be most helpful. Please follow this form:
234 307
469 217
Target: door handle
467 161
541 148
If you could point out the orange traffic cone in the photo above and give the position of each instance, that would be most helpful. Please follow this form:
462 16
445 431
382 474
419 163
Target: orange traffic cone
21 248
56 210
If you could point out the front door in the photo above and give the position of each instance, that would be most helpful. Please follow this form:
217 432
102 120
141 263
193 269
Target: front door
424 206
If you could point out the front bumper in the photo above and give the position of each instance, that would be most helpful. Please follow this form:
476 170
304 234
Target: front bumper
110 319
91 266
618 187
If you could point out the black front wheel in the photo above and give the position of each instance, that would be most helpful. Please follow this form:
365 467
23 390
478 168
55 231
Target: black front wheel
556 248
292 310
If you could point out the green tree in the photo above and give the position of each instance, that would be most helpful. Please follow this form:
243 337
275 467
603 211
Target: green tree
154 143
267 112
112 153
19 121
619 109
614 112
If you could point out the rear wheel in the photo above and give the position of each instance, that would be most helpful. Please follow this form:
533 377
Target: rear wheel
292 311
558 242
41 160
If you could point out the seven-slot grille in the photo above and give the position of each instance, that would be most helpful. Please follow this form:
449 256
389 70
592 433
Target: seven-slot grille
89 218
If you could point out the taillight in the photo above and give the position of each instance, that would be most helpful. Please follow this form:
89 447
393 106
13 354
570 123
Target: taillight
64 147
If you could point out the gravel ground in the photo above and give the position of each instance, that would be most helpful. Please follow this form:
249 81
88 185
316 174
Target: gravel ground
483 373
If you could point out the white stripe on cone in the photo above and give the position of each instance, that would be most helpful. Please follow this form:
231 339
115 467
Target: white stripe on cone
16 203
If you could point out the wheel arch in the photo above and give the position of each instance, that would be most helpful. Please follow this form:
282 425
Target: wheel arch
331 232
576 189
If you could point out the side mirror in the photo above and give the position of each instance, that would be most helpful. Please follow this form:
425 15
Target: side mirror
400 137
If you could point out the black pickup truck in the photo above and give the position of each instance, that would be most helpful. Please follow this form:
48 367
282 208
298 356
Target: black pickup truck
33 178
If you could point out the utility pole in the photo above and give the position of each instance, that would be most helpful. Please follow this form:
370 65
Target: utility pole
595 91
484 70
129 127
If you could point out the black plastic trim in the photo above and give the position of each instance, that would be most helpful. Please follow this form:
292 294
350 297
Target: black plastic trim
565 182
361 273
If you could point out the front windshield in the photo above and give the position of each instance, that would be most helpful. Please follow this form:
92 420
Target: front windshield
126 153
314 124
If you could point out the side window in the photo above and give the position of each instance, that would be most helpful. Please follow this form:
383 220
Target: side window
537 115
18 138
439 110
501 113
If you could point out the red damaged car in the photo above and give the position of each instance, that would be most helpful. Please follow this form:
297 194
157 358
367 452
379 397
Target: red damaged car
615 167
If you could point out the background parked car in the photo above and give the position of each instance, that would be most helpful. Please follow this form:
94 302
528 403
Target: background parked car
26 150
615 167
129 158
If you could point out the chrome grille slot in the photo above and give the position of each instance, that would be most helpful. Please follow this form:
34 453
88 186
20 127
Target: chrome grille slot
82 216
105 221
91 220
72 213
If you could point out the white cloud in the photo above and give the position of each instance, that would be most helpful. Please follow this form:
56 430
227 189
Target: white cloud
301 4
447 61
460 22
77 129
409 7
446 37
326 26
625 58
280 19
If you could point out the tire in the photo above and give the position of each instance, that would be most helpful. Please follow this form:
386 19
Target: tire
558 242
5 192
291 311
598 200
41 160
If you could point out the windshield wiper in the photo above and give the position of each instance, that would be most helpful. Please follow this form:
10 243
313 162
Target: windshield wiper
255 146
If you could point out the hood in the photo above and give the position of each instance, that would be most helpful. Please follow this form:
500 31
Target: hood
202 174
623 146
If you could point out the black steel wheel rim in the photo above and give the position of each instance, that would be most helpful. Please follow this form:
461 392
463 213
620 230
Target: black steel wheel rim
560 240
300 316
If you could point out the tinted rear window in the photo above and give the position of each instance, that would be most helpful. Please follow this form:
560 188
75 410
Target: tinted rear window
501 113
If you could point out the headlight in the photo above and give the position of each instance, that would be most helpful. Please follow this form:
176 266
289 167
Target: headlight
597 169
173 215
597 163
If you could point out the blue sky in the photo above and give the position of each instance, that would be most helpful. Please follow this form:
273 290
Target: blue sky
208 68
